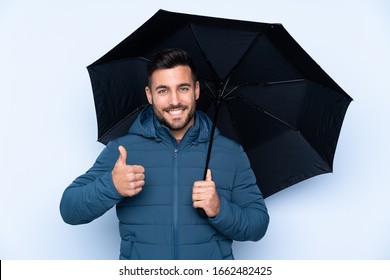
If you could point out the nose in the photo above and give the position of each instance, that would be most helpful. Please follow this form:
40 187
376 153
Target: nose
174 98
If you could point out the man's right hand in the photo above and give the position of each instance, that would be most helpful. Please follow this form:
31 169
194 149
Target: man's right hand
128 179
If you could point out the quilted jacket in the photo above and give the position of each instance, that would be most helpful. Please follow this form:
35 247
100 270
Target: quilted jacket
160 222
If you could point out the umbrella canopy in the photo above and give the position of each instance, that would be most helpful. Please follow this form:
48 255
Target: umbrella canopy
266 91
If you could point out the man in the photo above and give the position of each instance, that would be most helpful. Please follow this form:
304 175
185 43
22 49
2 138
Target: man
154 177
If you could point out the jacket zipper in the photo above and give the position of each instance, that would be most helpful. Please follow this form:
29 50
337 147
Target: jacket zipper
175 207
176 194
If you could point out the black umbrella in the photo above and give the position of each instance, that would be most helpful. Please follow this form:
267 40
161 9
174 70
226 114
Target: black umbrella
265 90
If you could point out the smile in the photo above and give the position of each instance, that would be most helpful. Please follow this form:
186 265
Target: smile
175 112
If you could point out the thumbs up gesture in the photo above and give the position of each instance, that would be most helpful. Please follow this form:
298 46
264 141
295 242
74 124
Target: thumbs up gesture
204 195
128 179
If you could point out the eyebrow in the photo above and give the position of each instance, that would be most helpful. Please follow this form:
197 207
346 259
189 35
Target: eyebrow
180 85
185 85
160 87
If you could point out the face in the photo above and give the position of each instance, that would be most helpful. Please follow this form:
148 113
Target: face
173 94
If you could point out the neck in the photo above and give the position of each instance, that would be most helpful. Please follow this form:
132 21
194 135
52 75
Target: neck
178 134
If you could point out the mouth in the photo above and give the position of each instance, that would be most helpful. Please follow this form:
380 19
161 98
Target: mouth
175 111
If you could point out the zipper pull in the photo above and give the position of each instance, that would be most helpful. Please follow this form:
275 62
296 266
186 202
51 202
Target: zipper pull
175 152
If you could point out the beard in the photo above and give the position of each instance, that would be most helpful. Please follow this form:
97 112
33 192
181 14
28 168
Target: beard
178 123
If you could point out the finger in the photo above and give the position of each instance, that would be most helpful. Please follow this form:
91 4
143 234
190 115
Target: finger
137 169
195 197
136 184
200 196
133 192
139 176
198 189
122 155
208 175
134 177
197 204
202 186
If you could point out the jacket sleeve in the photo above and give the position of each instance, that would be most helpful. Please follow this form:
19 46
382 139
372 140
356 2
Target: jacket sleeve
245 216
91 194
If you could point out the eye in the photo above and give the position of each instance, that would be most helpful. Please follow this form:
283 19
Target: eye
184 89
162 91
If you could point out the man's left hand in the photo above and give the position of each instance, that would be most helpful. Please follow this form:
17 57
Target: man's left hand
204 195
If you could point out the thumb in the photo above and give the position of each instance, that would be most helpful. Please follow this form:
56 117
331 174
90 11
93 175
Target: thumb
122 155
208 175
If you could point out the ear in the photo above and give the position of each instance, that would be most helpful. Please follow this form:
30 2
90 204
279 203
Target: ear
197 90
148 95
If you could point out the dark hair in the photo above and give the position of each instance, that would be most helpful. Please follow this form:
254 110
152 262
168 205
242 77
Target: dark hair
170 58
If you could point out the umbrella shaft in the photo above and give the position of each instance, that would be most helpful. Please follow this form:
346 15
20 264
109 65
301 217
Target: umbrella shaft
218 105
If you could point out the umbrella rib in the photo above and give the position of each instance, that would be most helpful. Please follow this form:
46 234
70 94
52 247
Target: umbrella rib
263 83
258 83
216 78
261 109
248 50
210 89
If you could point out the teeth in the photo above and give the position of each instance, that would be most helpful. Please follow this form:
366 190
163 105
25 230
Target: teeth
175 112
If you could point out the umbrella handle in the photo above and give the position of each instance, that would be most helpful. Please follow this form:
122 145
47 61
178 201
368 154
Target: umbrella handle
201 212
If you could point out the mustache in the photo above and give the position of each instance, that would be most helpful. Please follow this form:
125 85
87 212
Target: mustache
176 107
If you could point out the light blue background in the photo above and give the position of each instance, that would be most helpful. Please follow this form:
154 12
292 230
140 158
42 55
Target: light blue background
48 125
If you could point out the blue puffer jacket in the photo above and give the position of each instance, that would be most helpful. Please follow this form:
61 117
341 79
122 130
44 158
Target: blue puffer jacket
160 222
